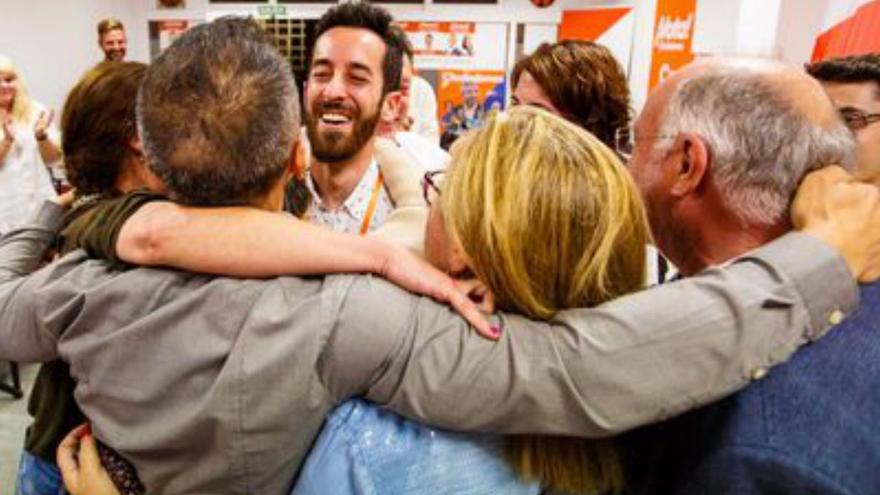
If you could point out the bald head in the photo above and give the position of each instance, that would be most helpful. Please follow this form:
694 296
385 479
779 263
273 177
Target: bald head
764 124
790 85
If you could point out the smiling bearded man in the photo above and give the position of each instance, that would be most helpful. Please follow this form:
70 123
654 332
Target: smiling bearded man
355 68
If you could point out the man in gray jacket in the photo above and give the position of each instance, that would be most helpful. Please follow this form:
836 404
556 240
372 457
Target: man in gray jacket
218 385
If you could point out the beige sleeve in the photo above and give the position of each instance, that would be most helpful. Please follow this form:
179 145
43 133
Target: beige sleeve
591 372
24 336
403 175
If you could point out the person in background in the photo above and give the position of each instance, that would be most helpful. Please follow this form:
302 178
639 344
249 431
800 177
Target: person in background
853 83
28 149
396 122
580 81
112 39
420 111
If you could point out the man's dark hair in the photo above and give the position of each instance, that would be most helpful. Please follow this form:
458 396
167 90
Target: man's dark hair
219 114
402 42
373 18
98 124
854 69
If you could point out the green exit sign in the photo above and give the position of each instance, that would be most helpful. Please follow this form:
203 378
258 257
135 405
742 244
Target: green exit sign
272 10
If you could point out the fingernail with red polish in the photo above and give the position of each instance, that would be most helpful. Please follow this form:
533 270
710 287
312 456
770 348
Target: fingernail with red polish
496 331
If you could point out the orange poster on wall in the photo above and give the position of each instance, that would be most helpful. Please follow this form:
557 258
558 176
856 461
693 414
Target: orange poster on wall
466 97
673 35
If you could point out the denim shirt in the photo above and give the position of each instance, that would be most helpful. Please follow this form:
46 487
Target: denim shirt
810 427
364 450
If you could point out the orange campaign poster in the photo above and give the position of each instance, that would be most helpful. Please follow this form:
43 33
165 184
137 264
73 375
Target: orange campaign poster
673 35
441 39
466 97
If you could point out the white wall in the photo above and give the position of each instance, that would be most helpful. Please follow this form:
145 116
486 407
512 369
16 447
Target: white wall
640 60
54 49
800 22
505 11
54 41
785 30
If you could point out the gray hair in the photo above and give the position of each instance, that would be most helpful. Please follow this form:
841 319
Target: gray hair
760 145
218 114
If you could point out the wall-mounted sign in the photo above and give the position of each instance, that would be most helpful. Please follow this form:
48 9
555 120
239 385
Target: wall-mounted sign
466 97
272 11
441 39
673 36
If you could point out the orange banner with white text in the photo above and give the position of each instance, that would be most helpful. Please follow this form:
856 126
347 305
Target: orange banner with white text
673 37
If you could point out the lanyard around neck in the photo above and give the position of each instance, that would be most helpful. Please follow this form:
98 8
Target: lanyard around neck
371 208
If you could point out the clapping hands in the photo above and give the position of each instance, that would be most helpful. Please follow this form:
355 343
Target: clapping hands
42 124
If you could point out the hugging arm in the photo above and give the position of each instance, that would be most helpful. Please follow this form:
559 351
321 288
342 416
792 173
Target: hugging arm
141 228
23 335
592 372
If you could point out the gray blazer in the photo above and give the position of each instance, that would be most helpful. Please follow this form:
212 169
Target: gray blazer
219 385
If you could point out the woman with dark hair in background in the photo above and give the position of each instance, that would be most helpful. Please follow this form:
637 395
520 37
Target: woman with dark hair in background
580 81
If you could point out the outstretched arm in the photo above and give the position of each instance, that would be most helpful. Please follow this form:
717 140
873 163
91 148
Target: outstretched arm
139 228
635 360
593 372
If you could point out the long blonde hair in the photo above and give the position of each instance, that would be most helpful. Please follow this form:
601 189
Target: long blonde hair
549 219
21 106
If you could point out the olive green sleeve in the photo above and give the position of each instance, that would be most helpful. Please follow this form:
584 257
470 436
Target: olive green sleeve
95 227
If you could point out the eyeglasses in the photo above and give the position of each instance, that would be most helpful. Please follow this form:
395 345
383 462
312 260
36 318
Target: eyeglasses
430 183
625 140
857 120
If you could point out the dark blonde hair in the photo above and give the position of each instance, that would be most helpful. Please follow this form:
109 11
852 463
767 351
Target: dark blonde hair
107 25
584 81
550 219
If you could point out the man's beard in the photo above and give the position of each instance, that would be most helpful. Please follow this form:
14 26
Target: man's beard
334 146
114 55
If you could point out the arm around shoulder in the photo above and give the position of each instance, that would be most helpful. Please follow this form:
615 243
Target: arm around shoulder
633 361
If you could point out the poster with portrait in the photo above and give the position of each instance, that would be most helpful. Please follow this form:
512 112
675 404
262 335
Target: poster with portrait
441 40
466 97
